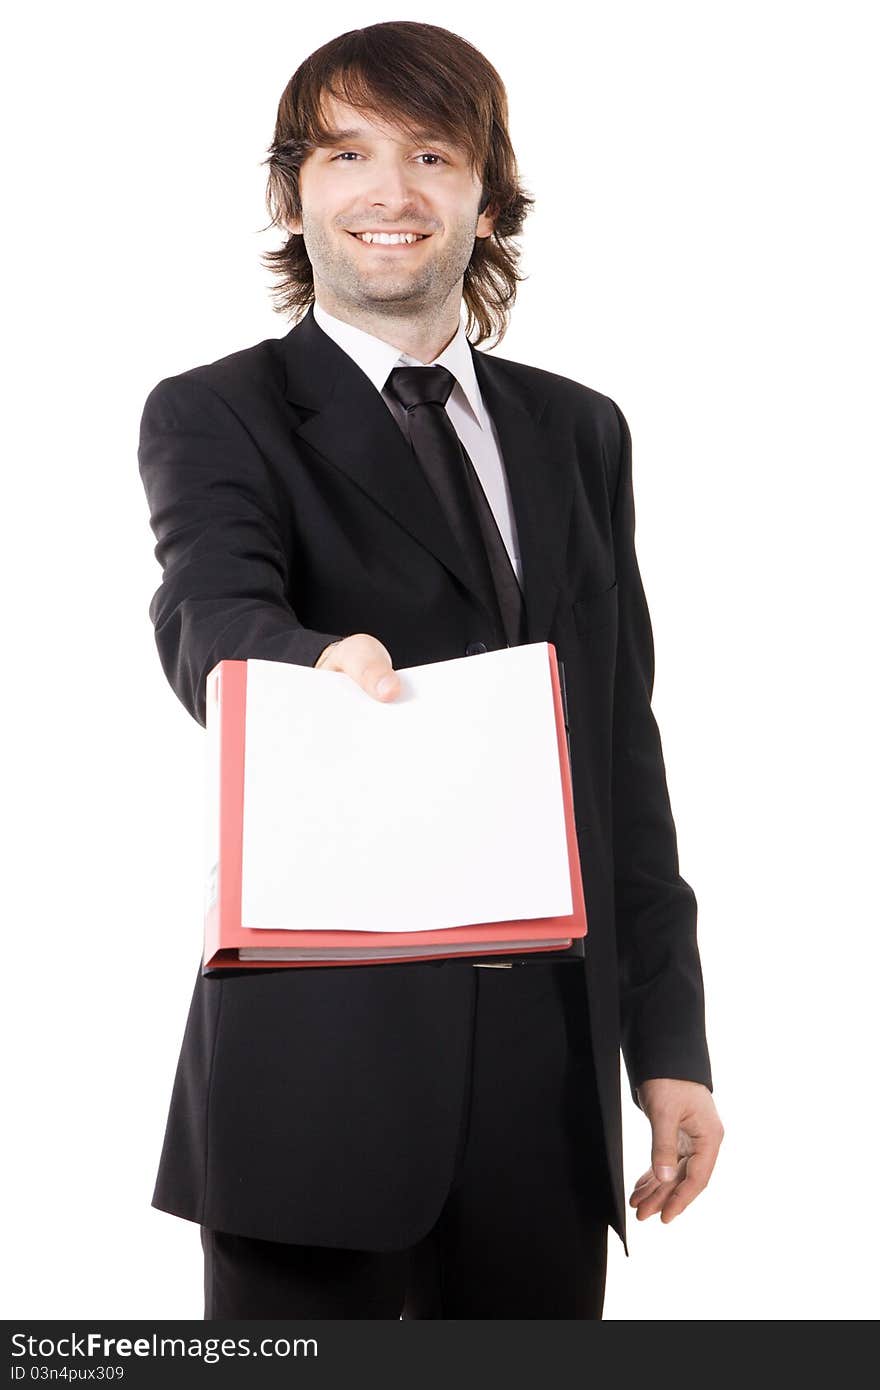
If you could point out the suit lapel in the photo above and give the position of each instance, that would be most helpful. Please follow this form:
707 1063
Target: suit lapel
539 477
345 420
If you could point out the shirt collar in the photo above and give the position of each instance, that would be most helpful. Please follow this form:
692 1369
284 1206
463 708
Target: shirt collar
377 359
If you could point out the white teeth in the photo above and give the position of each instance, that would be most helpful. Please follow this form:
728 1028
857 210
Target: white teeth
388 238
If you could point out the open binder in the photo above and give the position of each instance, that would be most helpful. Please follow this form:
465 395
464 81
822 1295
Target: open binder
267 881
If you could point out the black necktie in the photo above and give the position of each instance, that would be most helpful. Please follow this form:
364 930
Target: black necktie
423 393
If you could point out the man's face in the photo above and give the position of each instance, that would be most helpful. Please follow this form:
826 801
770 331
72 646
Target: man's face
378 180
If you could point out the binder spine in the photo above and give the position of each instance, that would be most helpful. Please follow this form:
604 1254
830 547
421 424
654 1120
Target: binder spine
560 666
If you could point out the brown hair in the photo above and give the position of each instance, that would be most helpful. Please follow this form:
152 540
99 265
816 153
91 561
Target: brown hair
416 76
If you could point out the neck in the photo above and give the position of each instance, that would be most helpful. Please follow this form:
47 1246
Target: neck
422 335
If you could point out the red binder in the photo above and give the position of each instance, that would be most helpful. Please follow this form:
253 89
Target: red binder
225 935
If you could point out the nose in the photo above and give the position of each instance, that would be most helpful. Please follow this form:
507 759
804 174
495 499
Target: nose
390 186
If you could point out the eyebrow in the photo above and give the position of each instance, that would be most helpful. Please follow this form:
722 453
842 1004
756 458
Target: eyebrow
339 137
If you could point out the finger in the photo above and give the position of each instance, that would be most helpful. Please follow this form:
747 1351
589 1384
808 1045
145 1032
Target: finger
372 668
387 685
654 1200
651 1198
672 1198
699 1170
641 1194
646 1184
679 1200
664 1146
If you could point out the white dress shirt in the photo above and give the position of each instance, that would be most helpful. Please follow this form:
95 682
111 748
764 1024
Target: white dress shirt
465 408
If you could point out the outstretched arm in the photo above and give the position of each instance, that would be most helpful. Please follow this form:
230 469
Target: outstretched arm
224 589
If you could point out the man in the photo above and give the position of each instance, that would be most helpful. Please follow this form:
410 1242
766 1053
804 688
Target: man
435 1139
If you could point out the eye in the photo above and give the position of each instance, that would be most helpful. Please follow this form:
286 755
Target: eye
426 154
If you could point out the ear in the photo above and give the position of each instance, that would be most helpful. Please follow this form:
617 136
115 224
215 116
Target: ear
487 218
486 222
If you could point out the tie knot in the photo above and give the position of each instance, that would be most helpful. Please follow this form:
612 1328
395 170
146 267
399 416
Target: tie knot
420 385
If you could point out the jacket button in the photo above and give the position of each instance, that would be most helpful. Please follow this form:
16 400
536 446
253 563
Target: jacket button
475 648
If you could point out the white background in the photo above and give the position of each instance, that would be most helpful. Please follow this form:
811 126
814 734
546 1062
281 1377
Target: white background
703 250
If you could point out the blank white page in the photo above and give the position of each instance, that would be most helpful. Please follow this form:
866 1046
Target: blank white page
440 808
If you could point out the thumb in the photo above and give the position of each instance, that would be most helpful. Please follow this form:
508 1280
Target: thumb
664 1149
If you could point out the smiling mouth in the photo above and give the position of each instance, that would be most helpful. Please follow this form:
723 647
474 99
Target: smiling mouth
390 246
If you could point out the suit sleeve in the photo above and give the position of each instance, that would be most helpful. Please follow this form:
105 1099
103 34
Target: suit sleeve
662 1007
223 594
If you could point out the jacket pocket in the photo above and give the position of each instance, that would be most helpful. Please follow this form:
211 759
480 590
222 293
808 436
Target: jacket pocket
595 610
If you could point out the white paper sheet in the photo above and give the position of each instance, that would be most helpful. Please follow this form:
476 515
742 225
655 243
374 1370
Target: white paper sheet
440 808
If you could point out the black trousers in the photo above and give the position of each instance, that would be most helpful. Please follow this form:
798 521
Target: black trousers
523 1232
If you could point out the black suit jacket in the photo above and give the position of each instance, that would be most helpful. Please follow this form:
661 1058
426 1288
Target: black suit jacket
323 1106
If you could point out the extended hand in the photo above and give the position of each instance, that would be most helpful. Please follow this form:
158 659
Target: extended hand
366 661
686 1135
